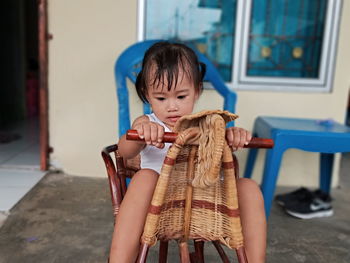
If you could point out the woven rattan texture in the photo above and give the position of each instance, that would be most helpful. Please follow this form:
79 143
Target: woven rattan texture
214 213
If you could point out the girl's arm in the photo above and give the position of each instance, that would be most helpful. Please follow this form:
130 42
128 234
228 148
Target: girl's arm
129 149
152 133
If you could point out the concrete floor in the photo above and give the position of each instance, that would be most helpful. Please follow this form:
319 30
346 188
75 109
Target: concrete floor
69 219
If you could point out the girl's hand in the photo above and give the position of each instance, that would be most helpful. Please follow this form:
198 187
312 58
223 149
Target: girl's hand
151 132
237 137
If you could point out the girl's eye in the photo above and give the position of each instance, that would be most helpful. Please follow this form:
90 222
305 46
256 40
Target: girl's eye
160 98
181 97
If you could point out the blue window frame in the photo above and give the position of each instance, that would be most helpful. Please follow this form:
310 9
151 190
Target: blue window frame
286 45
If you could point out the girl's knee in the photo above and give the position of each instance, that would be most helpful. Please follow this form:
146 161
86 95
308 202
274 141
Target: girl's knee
247 184
145 177
249 188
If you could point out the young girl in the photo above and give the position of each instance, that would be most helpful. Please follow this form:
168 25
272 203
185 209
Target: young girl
171 82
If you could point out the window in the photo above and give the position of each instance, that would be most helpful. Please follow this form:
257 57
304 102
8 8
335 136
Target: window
255 44
208 25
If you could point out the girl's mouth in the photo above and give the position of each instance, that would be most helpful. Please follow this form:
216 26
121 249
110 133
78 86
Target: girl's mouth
174 119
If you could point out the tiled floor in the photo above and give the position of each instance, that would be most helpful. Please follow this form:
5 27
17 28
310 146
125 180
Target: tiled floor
19 163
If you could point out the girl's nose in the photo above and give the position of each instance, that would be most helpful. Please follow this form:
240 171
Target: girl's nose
172 106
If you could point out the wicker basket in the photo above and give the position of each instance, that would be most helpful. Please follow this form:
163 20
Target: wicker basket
196 195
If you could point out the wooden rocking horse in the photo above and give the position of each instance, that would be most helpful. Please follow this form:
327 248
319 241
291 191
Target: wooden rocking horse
195 196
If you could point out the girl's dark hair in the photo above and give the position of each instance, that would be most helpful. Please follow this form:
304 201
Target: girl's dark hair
165 60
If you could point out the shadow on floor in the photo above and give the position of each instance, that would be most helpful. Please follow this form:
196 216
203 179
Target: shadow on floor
69 219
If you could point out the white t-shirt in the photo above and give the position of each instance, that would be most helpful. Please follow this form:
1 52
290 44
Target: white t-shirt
151 156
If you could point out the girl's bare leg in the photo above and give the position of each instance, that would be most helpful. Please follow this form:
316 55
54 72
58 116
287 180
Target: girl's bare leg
251 205
131 217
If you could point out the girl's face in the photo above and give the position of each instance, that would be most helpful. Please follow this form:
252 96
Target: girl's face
169 106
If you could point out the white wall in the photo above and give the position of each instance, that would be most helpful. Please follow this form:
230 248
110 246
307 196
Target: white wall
89 35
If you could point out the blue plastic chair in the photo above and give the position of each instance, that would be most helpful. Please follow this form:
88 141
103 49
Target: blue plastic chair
128 65
325 137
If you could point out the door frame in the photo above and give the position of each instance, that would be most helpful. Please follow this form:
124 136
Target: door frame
43 84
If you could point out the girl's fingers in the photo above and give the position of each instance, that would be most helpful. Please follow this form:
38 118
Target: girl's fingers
139 129
160 135
249 137
154 133
236 137
147 133
229 136
243 138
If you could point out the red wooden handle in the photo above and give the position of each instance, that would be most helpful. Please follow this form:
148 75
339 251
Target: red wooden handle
171 137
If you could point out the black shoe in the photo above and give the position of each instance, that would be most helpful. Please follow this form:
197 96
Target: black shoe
291 198
317 206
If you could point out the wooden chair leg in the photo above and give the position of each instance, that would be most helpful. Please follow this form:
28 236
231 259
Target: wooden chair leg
163 252
193 258
199 251
221 252
142 256
241 255
184 253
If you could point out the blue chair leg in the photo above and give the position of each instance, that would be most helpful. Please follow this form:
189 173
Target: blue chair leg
252 153
326 167
272 165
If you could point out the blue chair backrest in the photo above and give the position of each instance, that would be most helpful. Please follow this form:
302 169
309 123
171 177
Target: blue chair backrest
128 65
